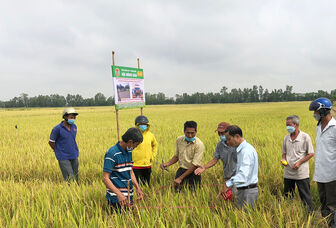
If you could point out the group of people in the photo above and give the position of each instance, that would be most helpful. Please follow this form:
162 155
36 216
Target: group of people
130 160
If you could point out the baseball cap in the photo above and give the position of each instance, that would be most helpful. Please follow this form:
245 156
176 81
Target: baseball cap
222 126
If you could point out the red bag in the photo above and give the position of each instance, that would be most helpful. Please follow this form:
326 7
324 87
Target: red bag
229 194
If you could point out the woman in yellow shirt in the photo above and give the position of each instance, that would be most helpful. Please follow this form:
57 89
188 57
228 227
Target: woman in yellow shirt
144 154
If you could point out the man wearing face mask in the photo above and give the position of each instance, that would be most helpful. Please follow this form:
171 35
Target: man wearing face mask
63 142
189 154
226 154
145 153
325 157
118 175
246 177
297 149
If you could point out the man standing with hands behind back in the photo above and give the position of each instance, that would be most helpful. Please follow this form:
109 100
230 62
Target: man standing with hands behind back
63 142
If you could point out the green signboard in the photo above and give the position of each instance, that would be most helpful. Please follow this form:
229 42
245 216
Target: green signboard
128 87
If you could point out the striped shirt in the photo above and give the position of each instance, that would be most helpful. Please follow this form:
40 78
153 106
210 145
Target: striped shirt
118 163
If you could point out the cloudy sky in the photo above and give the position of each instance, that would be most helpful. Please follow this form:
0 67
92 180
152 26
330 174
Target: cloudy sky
184 46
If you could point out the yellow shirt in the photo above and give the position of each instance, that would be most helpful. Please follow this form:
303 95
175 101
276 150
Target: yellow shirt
145 152
189 153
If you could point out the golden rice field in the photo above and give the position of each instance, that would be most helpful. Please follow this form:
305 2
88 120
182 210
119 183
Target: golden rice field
33 194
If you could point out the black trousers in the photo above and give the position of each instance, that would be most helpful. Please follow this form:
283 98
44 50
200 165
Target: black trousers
116 207
327 195
192 180
304 190
143 175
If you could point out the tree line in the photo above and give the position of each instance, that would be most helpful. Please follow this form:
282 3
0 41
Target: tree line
254 94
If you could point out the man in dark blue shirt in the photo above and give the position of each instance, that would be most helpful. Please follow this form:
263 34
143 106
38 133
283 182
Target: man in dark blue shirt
63 142
118 175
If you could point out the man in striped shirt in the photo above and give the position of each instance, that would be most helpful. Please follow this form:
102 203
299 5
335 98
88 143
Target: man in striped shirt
118 175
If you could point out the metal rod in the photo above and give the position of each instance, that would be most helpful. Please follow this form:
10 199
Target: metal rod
163 181
128 193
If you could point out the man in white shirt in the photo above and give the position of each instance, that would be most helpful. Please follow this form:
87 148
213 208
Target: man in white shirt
325 157
297 149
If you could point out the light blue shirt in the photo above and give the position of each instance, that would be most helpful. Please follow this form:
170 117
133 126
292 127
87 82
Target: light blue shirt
247 166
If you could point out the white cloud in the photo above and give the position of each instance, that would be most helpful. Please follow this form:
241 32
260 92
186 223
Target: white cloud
184 46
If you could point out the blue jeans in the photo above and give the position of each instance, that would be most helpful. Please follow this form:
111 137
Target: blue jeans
69 169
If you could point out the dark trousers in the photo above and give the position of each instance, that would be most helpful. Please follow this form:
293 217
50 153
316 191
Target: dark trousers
327 195
69 169
116 207
304 190
143 175
192 180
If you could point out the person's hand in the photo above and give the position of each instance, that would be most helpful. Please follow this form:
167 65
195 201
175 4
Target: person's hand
284 162
163 166
140 194
296 165
223 192
177 181
122 199
199 170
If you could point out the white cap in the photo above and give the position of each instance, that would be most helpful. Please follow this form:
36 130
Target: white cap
69 110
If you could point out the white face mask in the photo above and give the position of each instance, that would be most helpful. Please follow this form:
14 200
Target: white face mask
317 117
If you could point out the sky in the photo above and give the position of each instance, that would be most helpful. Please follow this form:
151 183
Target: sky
49 47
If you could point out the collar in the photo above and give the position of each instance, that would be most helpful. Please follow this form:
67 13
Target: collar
62 125
240 147
331 123
120 148
224 143
297 139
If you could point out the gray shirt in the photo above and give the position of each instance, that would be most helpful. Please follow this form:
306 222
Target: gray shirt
228 155
295 150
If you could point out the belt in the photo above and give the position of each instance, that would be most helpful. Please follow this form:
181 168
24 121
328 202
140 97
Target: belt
248 187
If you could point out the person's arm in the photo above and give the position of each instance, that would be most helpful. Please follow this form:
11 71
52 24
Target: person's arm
302 160
172 161
243 172
109 185
283 157
283 151
52 145
309 153
189 171
201 169
137 187
53 137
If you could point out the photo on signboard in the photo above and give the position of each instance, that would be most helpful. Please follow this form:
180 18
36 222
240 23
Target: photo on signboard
123 90
137 90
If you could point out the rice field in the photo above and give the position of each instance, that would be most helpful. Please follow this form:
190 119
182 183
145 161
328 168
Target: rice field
33 194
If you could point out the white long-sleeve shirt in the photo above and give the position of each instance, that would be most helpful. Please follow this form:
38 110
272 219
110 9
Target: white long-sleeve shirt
247 166
325 153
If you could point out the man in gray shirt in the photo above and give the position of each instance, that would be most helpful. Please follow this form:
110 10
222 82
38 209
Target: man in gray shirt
297 149
227 154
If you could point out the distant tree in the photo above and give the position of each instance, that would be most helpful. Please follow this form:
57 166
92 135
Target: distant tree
100 99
